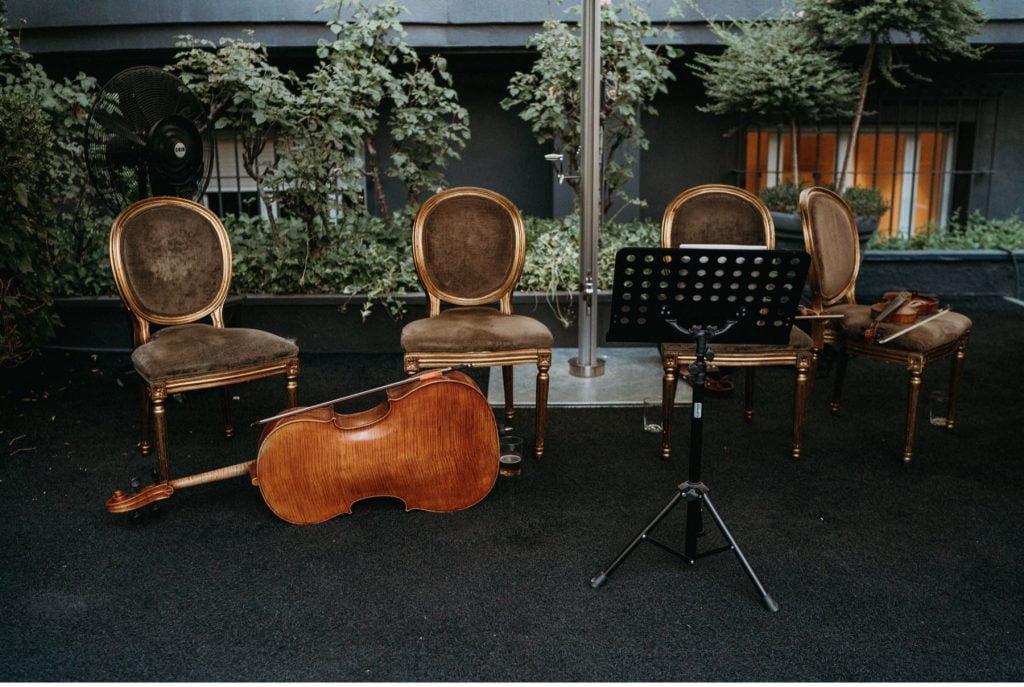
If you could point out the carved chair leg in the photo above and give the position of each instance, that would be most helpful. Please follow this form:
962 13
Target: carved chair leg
804 374
955 374
542 405
144 445
291 386
748 392
813 371
837 390
668 403
225 406
506 382
913 396
157 396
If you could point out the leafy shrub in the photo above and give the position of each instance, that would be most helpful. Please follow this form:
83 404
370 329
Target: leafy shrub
360 255
364 256
43 191
865 202
552 256
971 233
784 197
25 273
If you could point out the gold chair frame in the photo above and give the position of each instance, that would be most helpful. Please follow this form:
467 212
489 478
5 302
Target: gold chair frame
152 395
913 361
802 361
415 361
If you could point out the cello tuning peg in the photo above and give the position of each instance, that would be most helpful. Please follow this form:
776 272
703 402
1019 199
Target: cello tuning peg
135 484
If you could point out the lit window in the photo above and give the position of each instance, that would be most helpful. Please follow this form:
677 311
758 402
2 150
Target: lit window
913 170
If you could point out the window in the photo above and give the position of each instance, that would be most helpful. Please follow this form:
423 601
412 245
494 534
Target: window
912 169
231 190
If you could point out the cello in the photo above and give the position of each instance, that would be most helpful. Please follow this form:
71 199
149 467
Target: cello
432 443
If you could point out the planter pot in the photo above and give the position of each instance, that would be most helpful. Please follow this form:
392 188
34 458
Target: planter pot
318 323
948 273
330 323
789 232
334 323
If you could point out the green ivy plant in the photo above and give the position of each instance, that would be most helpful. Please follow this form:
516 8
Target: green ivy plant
368 70
245 94
44 196
634 68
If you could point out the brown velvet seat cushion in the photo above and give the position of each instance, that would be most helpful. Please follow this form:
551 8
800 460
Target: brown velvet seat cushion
467 330
797 339
194 349
942 330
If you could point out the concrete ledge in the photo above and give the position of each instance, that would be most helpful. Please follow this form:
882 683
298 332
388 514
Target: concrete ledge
329 323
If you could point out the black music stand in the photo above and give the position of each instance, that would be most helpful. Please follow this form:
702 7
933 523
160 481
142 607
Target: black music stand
697 294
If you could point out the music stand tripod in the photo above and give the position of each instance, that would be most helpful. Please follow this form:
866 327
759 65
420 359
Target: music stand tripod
731 295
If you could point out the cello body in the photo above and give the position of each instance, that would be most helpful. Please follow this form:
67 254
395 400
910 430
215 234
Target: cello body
433 444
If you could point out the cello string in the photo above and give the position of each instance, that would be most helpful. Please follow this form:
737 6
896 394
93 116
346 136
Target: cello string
423 375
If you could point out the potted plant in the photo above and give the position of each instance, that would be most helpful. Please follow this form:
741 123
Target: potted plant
783 200
868 207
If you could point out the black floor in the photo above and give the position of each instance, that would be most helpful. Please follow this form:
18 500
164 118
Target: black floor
882 572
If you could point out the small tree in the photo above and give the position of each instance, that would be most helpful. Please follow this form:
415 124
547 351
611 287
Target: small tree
368 69
775 70
368 85
939 27
634 69
244 93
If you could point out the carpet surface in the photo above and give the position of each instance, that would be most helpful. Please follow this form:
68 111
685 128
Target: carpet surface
882 571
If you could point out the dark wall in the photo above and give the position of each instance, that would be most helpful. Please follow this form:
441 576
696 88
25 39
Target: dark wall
687 147
502 153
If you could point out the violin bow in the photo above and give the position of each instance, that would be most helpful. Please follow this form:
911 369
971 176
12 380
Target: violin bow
915 325
429 374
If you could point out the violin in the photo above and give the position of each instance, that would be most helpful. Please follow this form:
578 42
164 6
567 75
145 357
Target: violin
432 443
900 308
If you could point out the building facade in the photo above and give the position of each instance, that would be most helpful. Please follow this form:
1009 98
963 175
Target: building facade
933 147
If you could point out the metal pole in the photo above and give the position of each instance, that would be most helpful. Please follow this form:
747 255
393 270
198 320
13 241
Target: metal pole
587 364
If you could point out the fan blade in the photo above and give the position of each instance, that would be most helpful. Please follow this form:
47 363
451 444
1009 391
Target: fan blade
121 152
117 125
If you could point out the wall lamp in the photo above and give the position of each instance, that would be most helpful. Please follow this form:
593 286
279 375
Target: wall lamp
556 161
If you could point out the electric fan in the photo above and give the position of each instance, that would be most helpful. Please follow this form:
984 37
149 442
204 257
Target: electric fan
148 135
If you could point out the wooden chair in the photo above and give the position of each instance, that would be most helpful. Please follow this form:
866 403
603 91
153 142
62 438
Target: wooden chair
830 233
171 260
469 245
715 213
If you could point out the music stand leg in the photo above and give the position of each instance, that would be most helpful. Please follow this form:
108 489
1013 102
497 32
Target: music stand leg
766 598
602 577
694 491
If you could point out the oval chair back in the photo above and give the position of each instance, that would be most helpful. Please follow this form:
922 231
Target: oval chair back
469 245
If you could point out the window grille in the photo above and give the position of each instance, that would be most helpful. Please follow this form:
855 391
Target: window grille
928 155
